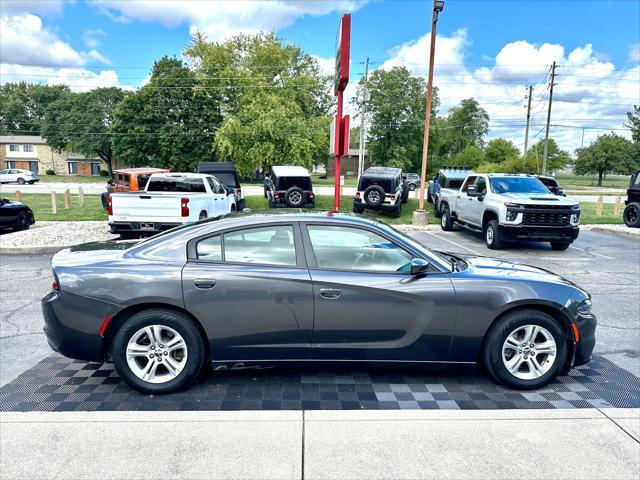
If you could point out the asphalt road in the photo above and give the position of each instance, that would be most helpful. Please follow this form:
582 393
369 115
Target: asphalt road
606 265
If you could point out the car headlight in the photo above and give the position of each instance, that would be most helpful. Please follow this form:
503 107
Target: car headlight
584 307
511 215
575 219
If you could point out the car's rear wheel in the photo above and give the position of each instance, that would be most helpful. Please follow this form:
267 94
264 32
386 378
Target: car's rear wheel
631 215
202 215
23 222
158 351
412 187
492 235
560 245
32 182
446 222
525 349
396 212
21 181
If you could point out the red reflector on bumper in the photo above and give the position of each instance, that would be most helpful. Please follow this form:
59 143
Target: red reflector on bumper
105 324
576 332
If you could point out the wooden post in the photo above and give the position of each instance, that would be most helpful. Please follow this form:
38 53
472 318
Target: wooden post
54 206
81 196
18 196
616 208
599 205
67 199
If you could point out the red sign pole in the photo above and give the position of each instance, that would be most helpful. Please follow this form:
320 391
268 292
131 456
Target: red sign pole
343 45
336 199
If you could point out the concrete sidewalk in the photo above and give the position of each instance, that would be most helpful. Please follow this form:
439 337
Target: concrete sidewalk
583 444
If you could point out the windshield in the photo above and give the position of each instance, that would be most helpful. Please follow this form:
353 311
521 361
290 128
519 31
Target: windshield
367 182
442 260
285 183
228 179
517 185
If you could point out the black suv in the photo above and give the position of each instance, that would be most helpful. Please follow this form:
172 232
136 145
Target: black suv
412 180
381 188
552 184
631 213
227 174
289 186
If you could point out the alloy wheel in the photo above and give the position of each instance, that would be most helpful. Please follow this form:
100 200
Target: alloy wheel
295 198
156 354
631 215
374 197
529 352
490 235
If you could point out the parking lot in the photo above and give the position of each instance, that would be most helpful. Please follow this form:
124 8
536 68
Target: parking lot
606 265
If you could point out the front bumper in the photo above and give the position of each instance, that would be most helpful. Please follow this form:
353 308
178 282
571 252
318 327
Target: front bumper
140 227
584 346
539 233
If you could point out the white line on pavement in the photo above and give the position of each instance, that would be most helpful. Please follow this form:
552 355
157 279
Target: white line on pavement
454 243
592 253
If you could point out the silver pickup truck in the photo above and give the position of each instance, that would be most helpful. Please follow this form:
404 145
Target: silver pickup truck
511 207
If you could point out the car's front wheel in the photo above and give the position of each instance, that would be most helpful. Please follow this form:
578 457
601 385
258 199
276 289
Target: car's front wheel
446 222
525 349
21 181
23 222
631 215
492 235
158 351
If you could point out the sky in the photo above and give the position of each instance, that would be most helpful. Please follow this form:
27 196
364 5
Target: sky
490 50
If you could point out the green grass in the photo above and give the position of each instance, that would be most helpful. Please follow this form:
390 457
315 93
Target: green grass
72 179
92 210
578 182
41 205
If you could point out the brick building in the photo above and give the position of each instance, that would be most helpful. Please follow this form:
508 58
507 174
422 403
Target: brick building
31 152
348 164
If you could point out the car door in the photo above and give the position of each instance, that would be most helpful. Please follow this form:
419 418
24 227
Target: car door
368 306
463 201
476 204
219 197
252 292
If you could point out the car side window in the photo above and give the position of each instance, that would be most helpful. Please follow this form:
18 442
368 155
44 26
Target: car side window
210 249
469 181
348 248
272 245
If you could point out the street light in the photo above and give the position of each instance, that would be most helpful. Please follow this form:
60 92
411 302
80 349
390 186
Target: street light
438 6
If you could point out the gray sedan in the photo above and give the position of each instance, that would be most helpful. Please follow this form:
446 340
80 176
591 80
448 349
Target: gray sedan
256 289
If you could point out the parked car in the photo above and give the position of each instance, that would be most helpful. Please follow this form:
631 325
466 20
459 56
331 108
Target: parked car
511 207
340 288
381 188
289 187
19 176
129 180
169 200
552 184
227 174
412 181
15 215
631 213
450 178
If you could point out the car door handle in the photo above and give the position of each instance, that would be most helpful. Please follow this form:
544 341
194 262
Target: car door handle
330 293
204 283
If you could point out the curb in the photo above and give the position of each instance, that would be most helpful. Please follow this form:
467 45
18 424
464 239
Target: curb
25 250
630 232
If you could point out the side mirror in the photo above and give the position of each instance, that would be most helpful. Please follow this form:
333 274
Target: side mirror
419 266
481 195
471 191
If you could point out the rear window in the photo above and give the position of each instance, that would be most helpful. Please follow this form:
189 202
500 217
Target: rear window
549 182
142 180
455 183
367 182
167 184
285 183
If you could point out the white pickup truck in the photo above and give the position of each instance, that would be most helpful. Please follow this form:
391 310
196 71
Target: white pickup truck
509 207
169 200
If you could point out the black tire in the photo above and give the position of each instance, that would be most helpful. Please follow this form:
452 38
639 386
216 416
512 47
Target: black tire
492 235
168 318
374 196
202 215
631 215
233 208
105 200
405 194
560 246
294 197
396 212
446 222
358 208
32 182
412 187
21 181
272 204
495 338
23 222
429 198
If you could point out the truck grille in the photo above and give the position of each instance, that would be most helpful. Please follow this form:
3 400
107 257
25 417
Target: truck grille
556 216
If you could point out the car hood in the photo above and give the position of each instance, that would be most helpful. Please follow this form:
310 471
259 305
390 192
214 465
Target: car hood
506 269
91 253
539 199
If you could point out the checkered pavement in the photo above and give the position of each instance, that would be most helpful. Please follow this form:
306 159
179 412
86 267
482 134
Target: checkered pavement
61 384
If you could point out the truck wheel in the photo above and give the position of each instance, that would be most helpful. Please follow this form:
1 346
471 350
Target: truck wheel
412 187
202 215
395 213
631 215
561 246
446 222
294 197
492 235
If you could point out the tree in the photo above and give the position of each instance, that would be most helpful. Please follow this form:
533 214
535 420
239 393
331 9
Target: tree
170 122
23 106
634 123
81 122
466 125
610 153
471 157
557 159
396 108
500 150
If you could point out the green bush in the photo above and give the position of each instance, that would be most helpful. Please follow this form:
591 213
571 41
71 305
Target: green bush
104 173
50 172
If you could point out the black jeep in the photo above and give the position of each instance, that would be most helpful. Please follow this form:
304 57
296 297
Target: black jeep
631 213
381 188
288 186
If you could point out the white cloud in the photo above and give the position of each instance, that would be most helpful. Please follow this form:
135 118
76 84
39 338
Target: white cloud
327 65
13 7
92 37
589 91
634 52
221 19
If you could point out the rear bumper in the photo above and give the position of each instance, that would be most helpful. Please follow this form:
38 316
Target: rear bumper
385 207
140 227
539 233
584 347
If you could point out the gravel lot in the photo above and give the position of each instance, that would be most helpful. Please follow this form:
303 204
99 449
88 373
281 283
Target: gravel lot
54 234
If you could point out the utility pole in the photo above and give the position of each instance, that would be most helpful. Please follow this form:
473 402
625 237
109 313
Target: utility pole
582 142
363 114
546 134
526 131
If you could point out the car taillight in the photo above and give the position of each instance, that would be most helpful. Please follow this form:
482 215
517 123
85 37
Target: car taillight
310 194
392 197
184 207
276 195
239 192
357 194
55 285
110 206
